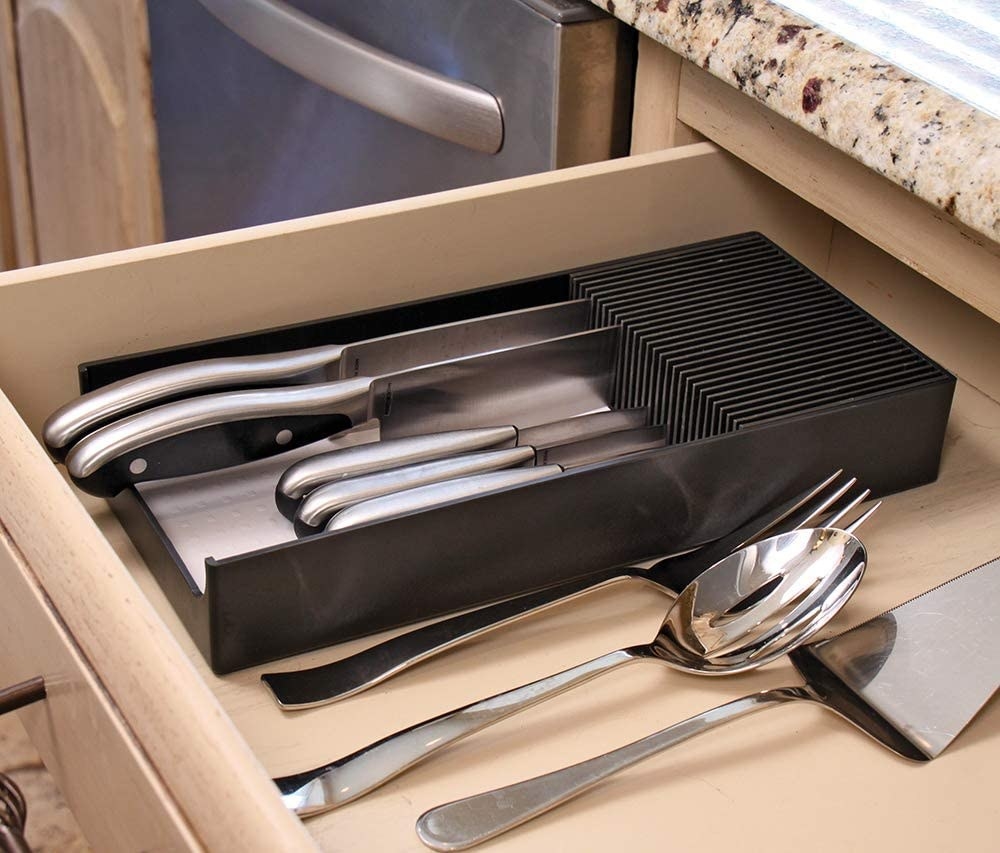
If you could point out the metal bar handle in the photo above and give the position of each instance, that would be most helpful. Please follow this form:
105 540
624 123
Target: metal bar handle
449 109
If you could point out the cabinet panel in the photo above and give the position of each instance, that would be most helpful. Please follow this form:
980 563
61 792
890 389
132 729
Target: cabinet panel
88 117
76 729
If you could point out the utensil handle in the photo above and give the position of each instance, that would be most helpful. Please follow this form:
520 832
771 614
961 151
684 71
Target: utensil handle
338 783
441 106
197 434
331 682
306 475
464 823
319 506
427 497
69 422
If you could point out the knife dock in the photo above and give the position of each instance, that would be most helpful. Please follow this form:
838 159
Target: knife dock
816 384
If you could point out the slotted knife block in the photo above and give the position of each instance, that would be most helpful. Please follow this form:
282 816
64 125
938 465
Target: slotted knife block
766 378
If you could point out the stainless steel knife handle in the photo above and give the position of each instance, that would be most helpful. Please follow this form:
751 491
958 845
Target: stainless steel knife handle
302 477
335 784
127 437
69 422
426 497
464 823
449 109
322 503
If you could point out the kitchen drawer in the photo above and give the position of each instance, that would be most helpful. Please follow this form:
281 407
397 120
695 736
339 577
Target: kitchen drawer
182 758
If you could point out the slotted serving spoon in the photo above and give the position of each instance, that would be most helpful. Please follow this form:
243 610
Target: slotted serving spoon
745 611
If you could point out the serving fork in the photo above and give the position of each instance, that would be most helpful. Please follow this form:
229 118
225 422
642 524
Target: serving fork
331 682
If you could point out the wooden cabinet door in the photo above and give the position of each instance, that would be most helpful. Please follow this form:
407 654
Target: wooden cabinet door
88 115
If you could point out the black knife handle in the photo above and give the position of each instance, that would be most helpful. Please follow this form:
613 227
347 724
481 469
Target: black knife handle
208 449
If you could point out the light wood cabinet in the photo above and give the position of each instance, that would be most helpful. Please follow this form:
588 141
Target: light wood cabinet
91 141
178 758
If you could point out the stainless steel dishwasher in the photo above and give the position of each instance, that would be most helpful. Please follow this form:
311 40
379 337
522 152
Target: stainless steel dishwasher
268 110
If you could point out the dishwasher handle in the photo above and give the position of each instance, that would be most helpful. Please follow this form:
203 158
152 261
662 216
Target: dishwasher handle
434 103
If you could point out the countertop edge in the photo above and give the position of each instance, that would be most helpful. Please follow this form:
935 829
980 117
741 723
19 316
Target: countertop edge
936 146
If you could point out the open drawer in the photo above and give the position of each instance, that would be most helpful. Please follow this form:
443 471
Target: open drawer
155 752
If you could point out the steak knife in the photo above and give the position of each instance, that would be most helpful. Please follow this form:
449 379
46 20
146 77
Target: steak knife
547 462
458 477
302 477
386 354
533 383
912 678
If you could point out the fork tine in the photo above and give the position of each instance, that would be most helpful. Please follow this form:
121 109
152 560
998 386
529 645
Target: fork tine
807 516
794 506
832 520
861 519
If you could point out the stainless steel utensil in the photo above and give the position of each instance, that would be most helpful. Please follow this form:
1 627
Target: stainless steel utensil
451 486
342 678
387 494
385 354
537 382
301 477
912 678
743 612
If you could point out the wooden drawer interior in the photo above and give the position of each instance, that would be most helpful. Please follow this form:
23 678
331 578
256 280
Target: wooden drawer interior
215 741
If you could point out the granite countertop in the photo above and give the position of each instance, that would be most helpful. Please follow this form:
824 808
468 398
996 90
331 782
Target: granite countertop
943 147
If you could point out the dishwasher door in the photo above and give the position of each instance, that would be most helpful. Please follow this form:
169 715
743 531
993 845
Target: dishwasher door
244 139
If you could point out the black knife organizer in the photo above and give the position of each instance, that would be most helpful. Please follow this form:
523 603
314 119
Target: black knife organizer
766 378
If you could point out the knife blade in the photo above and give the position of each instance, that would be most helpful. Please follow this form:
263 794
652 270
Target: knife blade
924 668
912 678
545 463
533 383
373 357
302 477
320 505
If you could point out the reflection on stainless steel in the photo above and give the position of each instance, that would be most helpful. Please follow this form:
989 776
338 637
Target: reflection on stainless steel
912 679
250 127
928 665
304 476
356 673
339 507
554 378
421 498
953 44
755 629
319 506
372 357
419 97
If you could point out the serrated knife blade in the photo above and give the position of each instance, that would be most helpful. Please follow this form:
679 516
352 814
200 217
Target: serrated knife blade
925 667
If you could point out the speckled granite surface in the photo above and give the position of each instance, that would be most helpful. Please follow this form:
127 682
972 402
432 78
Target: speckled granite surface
933 144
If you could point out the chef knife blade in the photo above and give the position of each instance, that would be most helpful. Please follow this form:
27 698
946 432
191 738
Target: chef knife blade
373 357
531 383
302 477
